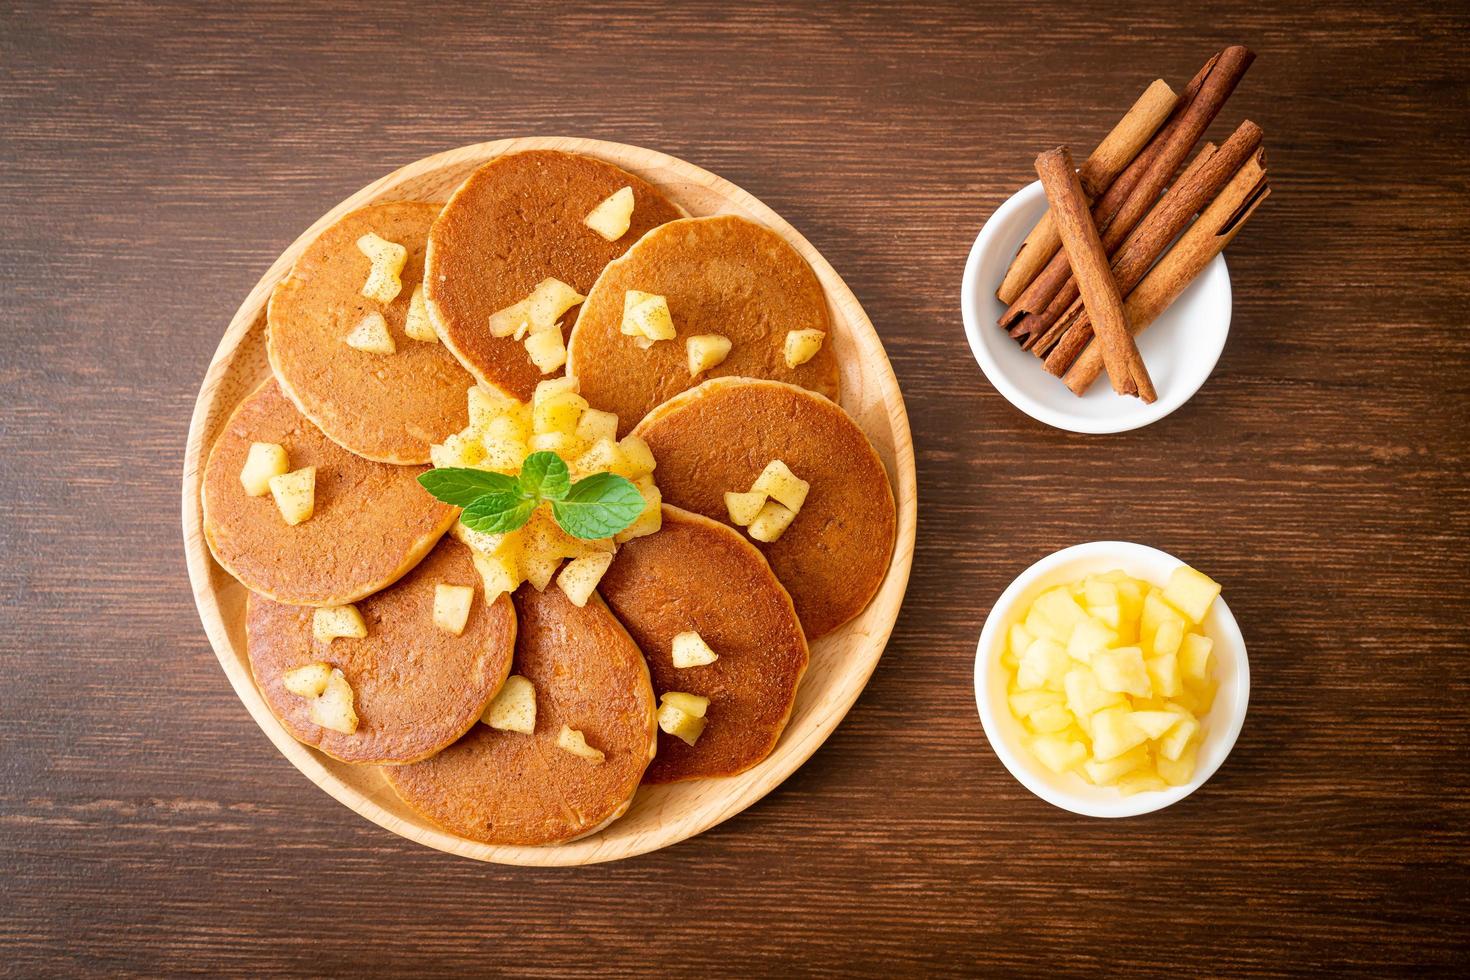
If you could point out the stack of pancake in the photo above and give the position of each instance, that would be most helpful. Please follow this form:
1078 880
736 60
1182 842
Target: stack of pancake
366 420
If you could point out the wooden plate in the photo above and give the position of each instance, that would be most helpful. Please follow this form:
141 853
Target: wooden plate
841 662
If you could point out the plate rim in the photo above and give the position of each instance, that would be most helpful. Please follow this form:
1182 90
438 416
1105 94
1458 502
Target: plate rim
744 789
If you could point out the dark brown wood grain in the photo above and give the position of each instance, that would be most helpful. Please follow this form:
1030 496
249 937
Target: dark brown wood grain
154 159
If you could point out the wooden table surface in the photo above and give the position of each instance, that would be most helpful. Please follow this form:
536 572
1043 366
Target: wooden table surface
155 158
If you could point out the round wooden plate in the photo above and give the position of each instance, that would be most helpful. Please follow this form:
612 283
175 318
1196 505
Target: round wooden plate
841 662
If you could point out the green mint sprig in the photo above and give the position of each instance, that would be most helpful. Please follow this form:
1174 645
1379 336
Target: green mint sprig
597 506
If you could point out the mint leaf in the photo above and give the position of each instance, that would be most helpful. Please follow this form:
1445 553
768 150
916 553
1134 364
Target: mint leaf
498 512
598 507
462 487
544 476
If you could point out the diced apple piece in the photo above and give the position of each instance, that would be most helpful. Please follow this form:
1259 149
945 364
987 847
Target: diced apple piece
1085 695
1178 772
330 622
371 335
579 577
1087 638
417 324
1122 670
295 494
1156 610
638 458
1061 611
682 715
1163 674
1057 753
263 461
801 346
1024 703
1046 721
1039 626
452 607
547 350
689 703
706 350
594 425
333 709
1195 656
486 406
771 522
743 507
564 445
1191 592
558 412
514 708
485 544
690 650
573 741
551 387
500 573
1109 616
647 315
1173 744
309 681
1109 772
1141 781
458 450
603 457
779 483
1167 638
1114 733
611 218
1043 665
538 312
1099 592
650 520
388 258
1154 723
511 431
1017 640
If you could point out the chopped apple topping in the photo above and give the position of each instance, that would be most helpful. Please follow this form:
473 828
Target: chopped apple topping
383 282
547 349
452 607
538 312
771 504
309 681
417 324
265 460
802 346
652 517
330 622
779 483
706 350
514 708
611 218
295 494
771 522
371 335
575 742
646 315
579 577
690 650
334 707
594 425
744 507
682 715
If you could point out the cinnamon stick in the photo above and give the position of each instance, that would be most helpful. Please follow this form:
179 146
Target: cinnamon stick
1200 183
1124 206
1084 250
1109 159
1205 239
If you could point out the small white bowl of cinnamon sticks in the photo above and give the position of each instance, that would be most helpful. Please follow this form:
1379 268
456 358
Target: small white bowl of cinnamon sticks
1096 299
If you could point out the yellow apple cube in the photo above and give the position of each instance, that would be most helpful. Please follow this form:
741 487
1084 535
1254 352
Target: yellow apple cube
333 708
1191 592
558 412
779 483
594 425
603 457
650 520
647 315
538 312
1109 616
1122 670
417 324
371 335
1087 638
706 350
1178 772
452 607
384 281
330 622
486 406
514 708
1109 772
1173 744
611 218
573 741
1061 611
579 577
1195 656
295 494
1163 675
1085 696
1099 592
1114 733
638 458
743 507
500 573
771 522
801 346
1048 721
1154 723
309 681
1140 781
690 650
459 450
1044 665
1157 611
547 350
682 715
263 461
1057 753
1024 703
1167 638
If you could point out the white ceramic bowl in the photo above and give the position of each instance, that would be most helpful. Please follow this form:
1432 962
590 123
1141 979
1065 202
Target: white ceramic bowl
1070 791
1180 348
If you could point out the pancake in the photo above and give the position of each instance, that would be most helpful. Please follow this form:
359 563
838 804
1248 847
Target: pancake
696 574
373 522
722 275
505 787
387 407
516 221
416 687
719 436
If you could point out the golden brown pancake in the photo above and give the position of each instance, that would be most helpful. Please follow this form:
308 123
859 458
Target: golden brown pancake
509 788
719 436
516 221
373 522
722 275
387 407
695 574
416 688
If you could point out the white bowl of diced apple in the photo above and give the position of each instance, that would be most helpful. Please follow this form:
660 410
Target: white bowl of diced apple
1112 680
